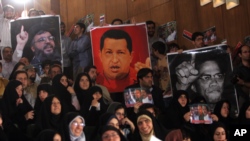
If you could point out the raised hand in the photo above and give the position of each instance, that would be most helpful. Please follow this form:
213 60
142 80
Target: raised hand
22 38
186 74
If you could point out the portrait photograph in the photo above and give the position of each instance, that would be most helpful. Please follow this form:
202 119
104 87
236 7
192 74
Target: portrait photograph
37 38
134 95
168 31
205 72
118 53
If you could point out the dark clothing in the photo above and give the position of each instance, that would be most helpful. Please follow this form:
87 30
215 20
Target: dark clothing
174 116
91 113
158 129
243 73
38 103
242 115
15 113
61 91
48 120
80 93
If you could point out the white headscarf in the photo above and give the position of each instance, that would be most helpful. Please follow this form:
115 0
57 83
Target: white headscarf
82 136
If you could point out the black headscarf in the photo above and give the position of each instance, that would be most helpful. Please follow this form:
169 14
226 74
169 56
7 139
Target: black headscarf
242 115
108 128
10 109
217 111
48 120
44 87
176 111
80 93
61 91
159 130
92 115
14 70
46 135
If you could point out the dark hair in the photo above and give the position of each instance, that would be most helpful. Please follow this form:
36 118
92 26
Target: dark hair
145 106
219 59
240 48
56 62
8 6
143 72
115 20
88 68
31 10
159 46
62 23
196 34
117 34
172 45
150 22
45 63
18 72
82 25
41 11
1 64
53 66
14 70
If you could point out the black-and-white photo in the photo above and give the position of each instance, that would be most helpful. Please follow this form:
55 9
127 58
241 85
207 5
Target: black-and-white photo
204 72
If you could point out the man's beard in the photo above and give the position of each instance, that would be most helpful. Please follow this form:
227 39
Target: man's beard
32 79
93 80
42 56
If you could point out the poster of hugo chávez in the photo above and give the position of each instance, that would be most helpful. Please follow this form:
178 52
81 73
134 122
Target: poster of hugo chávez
204 72
37 39
134 95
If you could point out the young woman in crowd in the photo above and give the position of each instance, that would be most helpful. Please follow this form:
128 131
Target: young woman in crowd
111 133
43 91
15 106
222 111
18 66
148 128
178 112
178 135
49 135
81 86
73 127
51 114
65 92
218 132
244 115
94 106
106 119
119 110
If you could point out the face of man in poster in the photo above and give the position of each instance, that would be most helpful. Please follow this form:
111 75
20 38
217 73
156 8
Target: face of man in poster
43 43
211 81
115 58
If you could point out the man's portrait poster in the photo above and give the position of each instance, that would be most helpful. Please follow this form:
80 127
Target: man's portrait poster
134 95
200 114
168 31
205 72
37 39
209 35
118 53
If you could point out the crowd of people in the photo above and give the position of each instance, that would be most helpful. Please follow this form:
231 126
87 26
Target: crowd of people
64 102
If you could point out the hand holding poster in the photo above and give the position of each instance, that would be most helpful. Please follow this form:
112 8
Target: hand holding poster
135 95
37 39
200 114
204 72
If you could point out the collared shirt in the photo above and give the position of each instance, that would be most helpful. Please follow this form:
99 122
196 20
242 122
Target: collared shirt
65 49
7 68
5 31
